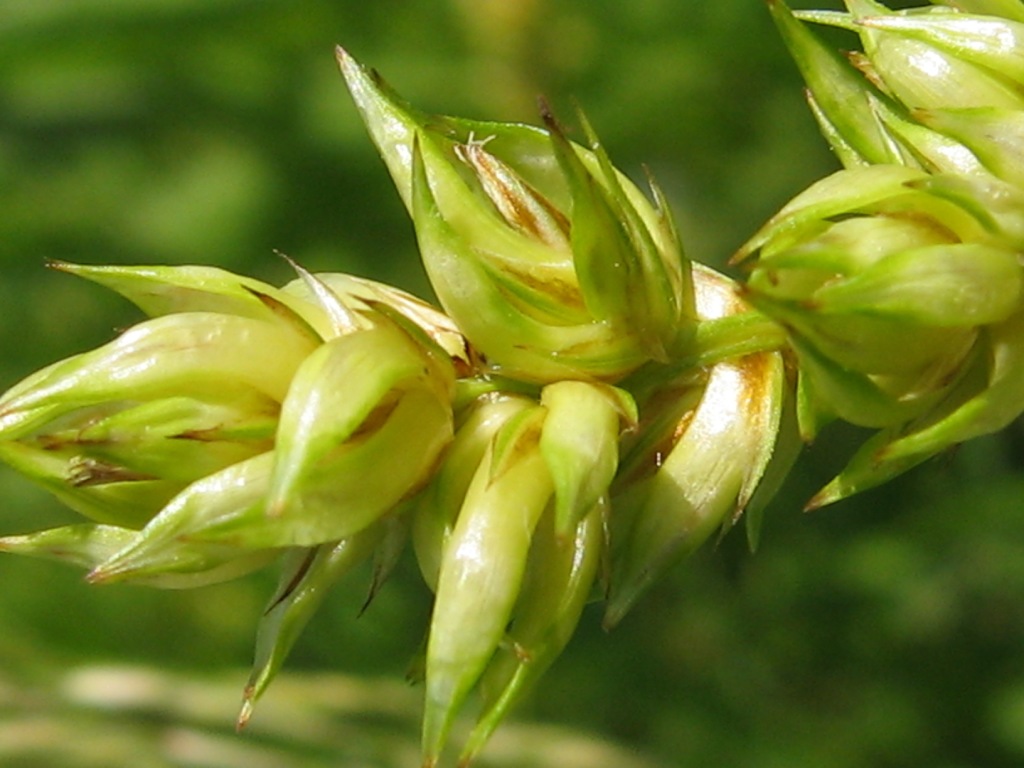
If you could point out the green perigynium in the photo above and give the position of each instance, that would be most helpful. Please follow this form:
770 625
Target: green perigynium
588 407
224 407
884 286
704 446
548 259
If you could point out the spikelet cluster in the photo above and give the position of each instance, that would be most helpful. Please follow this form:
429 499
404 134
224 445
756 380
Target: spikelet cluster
585 407
898 279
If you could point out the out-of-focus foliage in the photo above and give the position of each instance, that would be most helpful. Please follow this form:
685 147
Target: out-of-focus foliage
885 631
96 716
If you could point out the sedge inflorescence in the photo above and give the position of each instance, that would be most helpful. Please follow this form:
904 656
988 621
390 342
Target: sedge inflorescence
587 406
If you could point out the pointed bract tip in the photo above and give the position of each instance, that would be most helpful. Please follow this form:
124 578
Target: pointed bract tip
101 574
822 498
345 60
544 108
547 116
245 714
288 260
353 71
347 64
613 614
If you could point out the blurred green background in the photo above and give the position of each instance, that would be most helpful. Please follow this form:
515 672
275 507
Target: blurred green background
886 631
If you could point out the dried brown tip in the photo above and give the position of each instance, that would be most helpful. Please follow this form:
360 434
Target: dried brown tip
245 714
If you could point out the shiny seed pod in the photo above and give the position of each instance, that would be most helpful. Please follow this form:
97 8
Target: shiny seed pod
482 570
717 455
436 509
559 581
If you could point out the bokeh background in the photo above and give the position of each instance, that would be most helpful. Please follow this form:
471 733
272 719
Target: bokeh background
886 631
